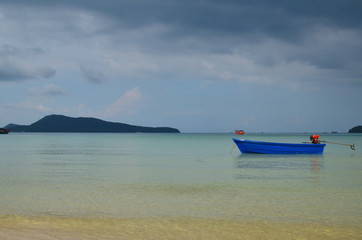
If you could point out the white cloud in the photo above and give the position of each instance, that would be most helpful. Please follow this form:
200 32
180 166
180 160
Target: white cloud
50 89
127 104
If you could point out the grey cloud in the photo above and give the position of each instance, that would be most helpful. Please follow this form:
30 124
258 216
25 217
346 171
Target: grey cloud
14 68
44 72
11 72
281 19
7 50
8 74
92 75
212 27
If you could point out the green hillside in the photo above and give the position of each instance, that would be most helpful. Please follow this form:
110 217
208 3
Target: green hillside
60 123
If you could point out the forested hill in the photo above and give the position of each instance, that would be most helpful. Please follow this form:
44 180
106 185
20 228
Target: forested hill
60 123
357 129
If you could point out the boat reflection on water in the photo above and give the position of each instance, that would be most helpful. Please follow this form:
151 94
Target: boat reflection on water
278 166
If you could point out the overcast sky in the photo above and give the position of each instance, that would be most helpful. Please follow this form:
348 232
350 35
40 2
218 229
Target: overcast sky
197 65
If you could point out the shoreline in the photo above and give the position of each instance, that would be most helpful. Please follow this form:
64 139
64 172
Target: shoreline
53 227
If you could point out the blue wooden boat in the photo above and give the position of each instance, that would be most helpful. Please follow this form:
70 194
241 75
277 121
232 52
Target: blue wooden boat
248 146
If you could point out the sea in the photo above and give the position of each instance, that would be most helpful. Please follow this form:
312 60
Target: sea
72 186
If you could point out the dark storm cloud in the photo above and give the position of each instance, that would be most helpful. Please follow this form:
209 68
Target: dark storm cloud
280 19
229 26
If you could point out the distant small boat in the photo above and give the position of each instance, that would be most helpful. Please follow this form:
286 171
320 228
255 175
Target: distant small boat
4 131
240 132
247 146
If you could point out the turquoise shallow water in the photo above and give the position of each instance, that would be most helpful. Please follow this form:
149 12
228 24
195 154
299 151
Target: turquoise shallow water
178 175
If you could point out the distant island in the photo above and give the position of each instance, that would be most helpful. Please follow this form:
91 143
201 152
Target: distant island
60 123
357 129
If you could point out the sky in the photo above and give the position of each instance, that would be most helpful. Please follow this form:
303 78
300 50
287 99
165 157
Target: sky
196 65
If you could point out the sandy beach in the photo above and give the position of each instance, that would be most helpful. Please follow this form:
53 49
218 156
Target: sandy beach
49 228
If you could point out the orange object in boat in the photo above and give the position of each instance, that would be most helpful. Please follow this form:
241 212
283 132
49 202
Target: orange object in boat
239 132
314 139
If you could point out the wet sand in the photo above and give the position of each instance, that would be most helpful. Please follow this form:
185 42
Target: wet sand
54 227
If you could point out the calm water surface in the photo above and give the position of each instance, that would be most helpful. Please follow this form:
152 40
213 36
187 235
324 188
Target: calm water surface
176 186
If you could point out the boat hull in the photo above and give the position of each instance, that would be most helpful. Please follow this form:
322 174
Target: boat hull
247 146
239 132
4 131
